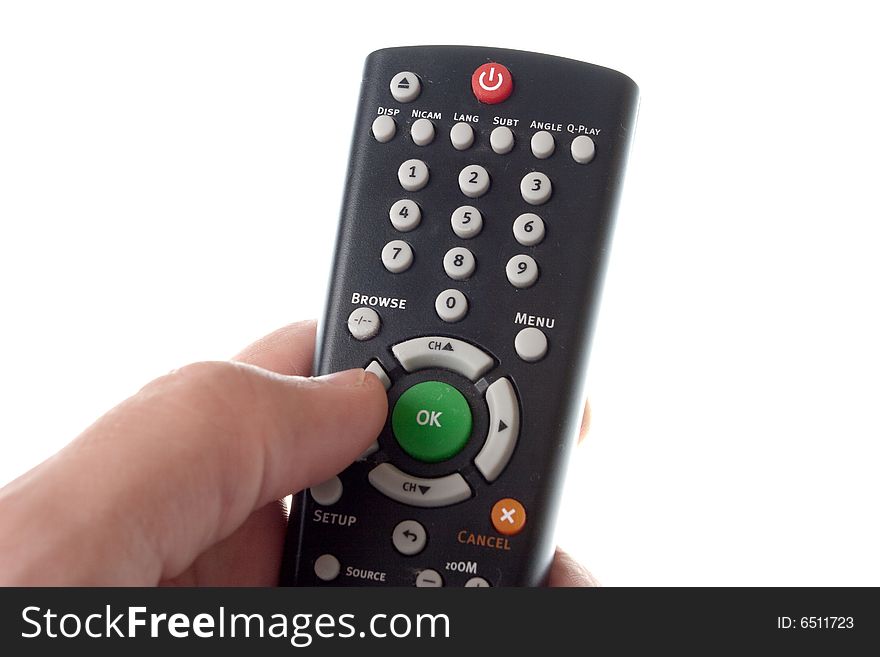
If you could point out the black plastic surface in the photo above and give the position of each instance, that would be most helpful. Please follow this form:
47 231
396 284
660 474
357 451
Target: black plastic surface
578 218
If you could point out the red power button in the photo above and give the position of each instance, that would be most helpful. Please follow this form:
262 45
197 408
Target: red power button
492 83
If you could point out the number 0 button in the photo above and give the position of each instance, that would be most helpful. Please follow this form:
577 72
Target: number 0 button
522 271
413 175
451 305
536 188
397 256
473 181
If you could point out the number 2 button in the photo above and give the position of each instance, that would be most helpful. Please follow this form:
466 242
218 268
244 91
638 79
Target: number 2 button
473 181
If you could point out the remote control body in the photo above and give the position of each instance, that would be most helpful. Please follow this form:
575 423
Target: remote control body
479 205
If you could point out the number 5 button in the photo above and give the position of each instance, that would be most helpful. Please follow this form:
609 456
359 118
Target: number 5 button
536 188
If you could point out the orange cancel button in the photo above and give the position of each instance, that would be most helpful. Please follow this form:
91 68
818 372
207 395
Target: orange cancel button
508 516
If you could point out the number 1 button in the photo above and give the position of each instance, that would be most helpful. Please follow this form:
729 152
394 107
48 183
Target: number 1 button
413 175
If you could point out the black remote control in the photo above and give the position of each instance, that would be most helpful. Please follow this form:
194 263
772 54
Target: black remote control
476 221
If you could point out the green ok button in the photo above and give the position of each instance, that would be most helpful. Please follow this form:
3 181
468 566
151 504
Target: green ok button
432 421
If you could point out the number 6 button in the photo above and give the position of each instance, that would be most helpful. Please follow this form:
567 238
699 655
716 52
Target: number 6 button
536 188
522 271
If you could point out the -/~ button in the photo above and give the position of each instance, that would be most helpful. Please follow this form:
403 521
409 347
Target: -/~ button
477 582
405 87
503 434
461 136
413 175
327 567
536 188
508 516
543 145
409 537
397 256
473 181
328 492
501 140
432 421
384 128
531 344
583 149
467 222
419 491
528 229
451 306
522 271
429 578
445 353
405 215
422 132
363 323
459 263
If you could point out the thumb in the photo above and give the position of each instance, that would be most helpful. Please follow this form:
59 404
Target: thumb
179 466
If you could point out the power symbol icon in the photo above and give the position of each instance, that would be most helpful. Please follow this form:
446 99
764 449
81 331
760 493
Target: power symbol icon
492 74
492 83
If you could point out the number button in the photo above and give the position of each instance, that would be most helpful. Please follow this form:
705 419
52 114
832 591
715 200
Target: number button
536 188
405 215
522 271
467 222
397 256
473 181
413 175
528 229
451 306
459 263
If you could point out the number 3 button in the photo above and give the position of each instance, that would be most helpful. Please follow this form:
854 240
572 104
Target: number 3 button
522 271
536 188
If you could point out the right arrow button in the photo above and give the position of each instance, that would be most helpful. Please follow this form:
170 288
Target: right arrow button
503 429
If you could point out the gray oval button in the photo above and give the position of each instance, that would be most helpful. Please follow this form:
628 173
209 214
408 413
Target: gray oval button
409 537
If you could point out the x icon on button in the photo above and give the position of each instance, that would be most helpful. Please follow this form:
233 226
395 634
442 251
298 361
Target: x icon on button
508 516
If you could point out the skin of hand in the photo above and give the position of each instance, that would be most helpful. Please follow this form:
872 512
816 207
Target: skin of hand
180 484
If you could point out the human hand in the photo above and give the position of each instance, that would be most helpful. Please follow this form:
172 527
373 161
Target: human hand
180 484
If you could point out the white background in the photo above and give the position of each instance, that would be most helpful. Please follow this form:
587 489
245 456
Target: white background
170 174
